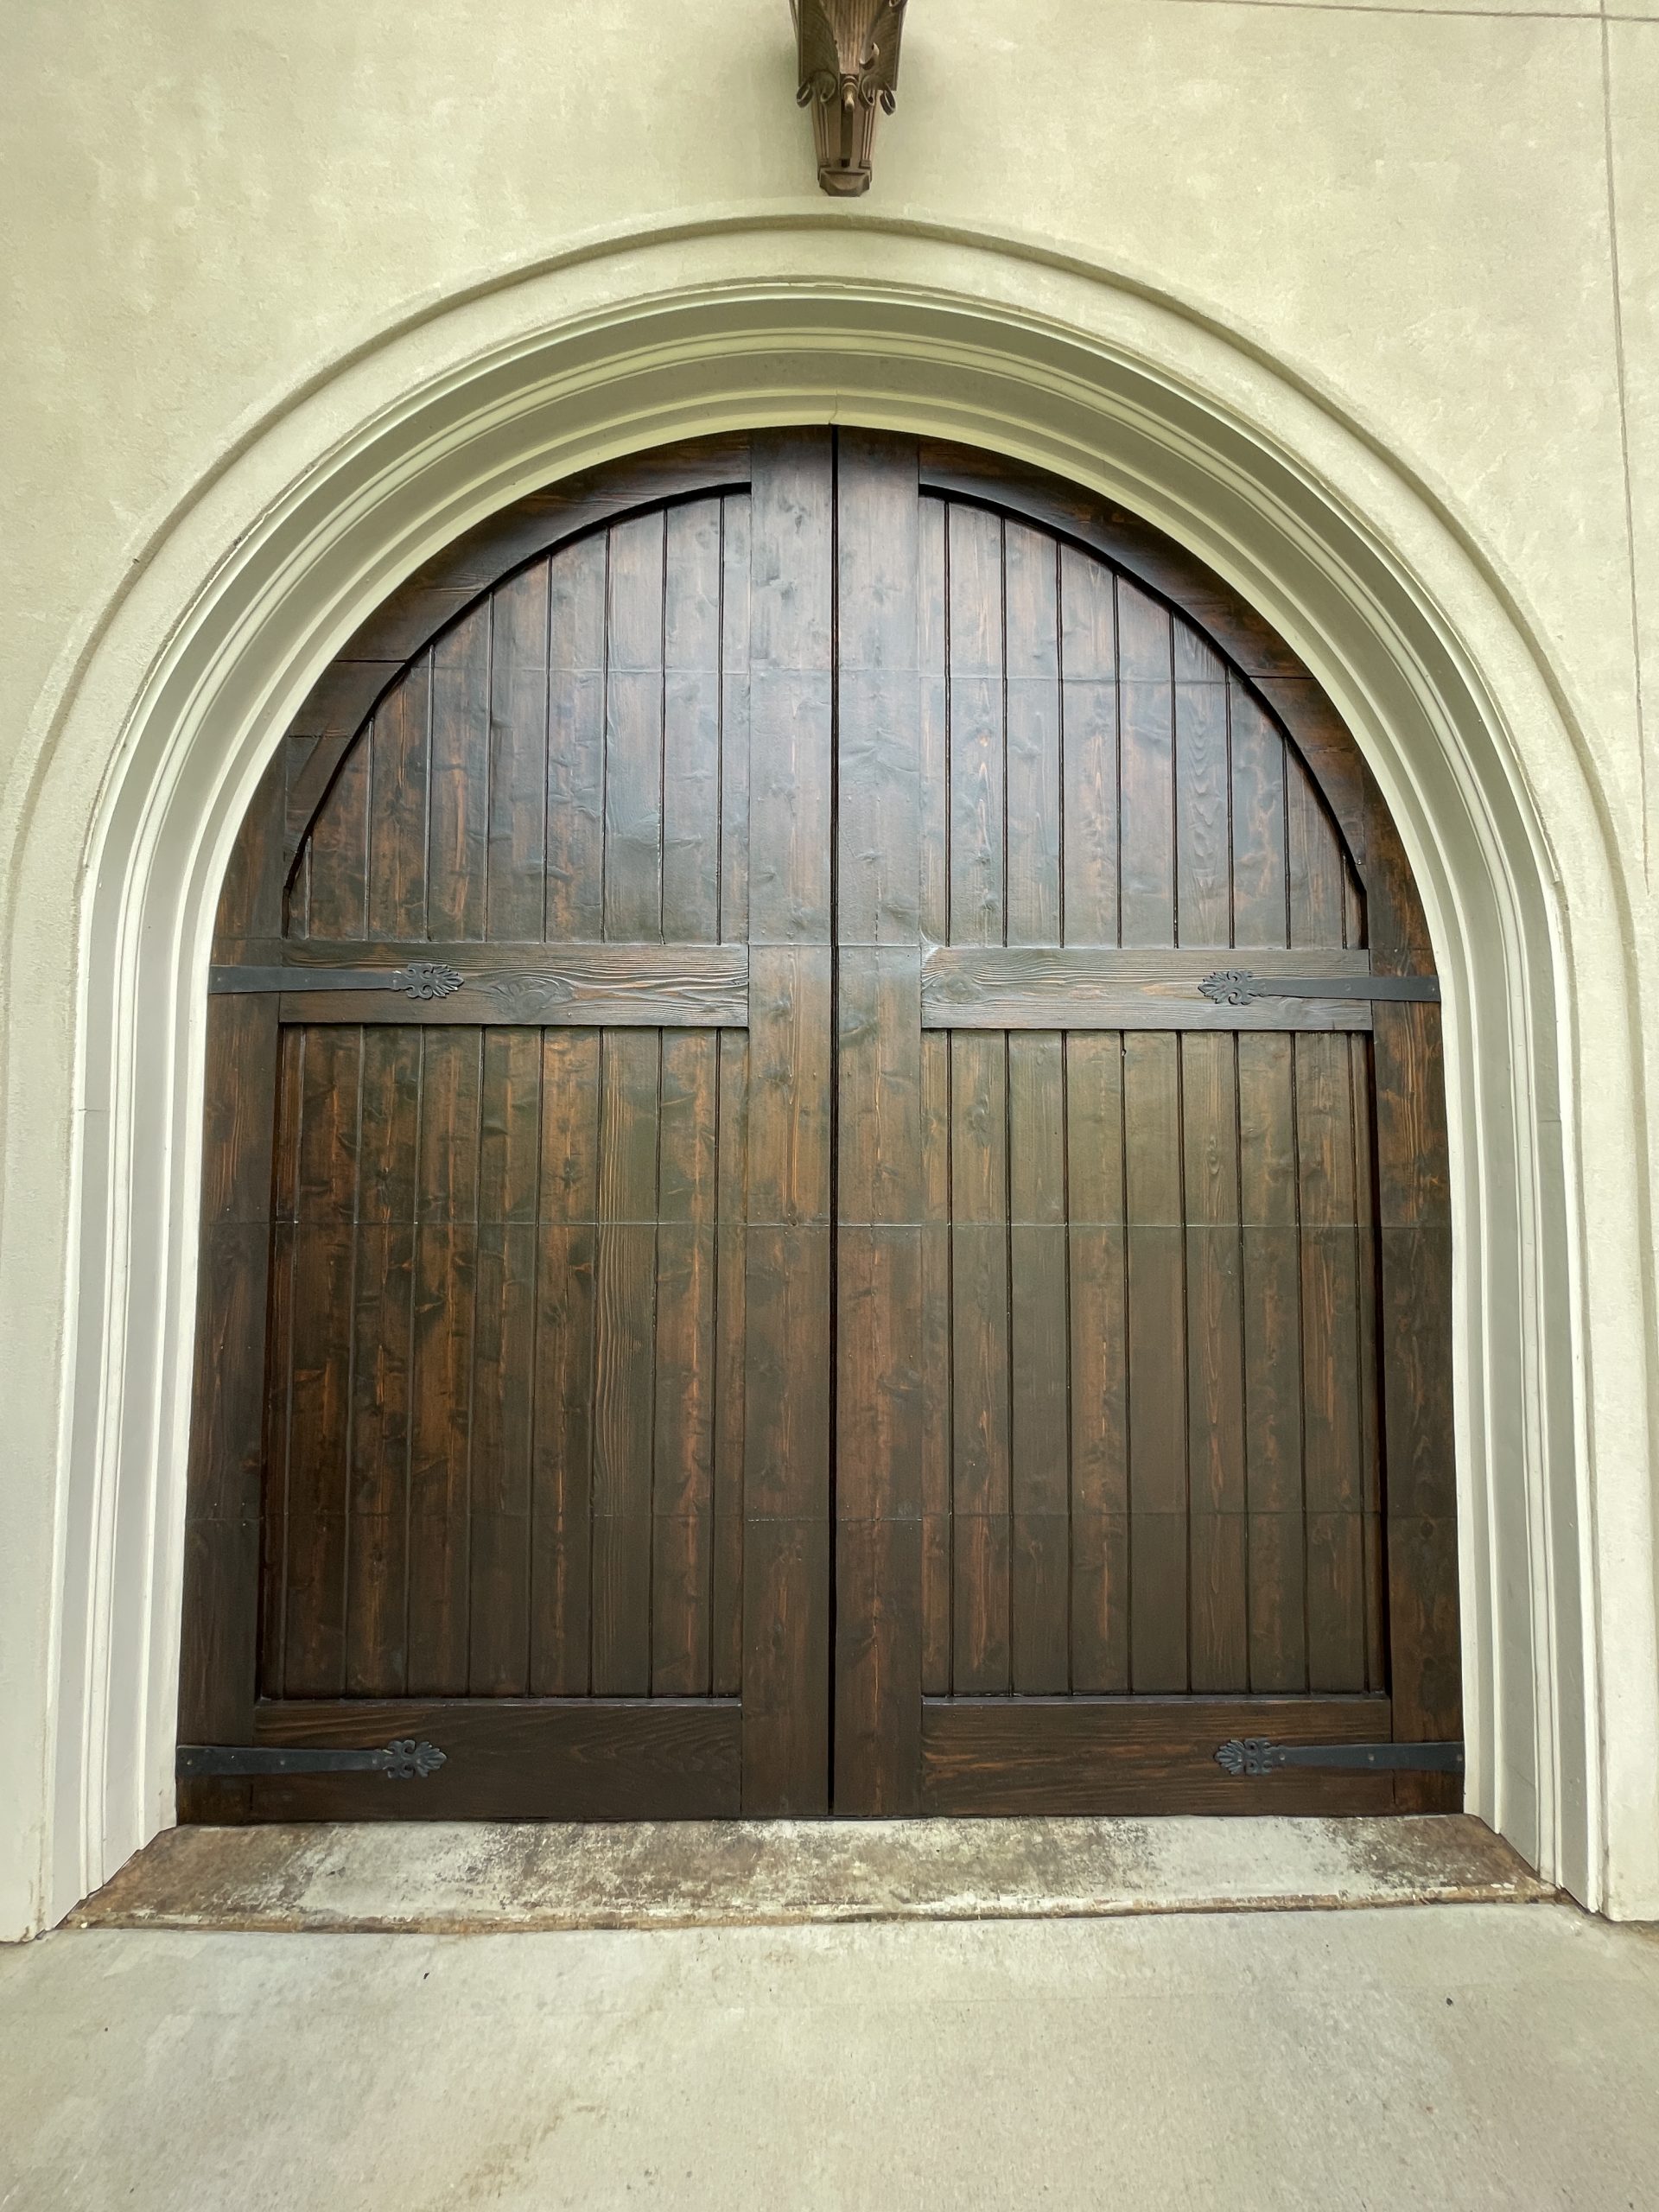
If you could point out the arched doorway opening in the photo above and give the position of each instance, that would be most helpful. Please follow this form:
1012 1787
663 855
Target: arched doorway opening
826 1183
147 752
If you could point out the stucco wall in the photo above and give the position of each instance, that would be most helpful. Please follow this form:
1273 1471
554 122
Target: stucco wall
1443 223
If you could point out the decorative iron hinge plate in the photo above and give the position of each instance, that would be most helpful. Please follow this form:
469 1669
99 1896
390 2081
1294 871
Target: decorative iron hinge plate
1253 1755
418 979
1242 987
402 1760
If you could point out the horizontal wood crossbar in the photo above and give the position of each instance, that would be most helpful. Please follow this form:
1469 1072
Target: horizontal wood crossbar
1083 1755
511 1758
1004 986
536 985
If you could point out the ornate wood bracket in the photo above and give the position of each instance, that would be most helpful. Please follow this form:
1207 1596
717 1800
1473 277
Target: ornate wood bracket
849 65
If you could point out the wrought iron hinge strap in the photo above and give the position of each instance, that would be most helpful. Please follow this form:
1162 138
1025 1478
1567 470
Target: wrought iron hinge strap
1251 1755
1241 987
402 1760
419 979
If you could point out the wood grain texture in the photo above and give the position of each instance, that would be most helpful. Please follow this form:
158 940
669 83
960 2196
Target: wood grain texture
828 1267
492 1360
603 986
963 988
1097 1756
878 1256
513 1760
787 1383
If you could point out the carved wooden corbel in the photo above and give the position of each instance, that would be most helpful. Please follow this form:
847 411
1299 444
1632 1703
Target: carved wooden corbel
849 65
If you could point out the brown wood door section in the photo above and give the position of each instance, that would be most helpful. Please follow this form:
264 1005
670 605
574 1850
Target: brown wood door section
770 1245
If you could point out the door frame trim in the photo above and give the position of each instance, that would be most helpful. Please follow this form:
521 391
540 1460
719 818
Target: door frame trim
245 591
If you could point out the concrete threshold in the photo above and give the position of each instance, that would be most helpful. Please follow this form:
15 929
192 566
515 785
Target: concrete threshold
451 1878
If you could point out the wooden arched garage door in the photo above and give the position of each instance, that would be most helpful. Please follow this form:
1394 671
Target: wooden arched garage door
825 1186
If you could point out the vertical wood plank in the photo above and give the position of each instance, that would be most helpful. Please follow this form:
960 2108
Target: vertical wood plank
731 1337
1414 1296
790 615
878 1659
516 860
786 1631
977 750
337 851
320 1422
560 1529
224 1643
397 882
1317 871
1100 1404
573 891
457 820
1157 1346
1260 828
879 768
1215 1369
979 1361
691 724
934 890
1203 795
683 1475
1089 708
446 1273
1039 1456
1272 1341
625 1361
1333 1473
1040 1484
634 732
504 1402
376 1549
936 1412
1146 802
735 721
1033 711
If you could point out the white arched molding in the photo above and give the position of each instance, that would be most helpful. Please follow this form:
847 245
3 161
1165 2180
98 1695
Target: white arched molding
149 751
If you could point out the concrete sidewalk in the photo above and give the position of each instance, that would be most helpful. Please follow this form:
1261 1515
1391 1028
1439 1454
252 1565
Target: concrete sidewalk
1440 2055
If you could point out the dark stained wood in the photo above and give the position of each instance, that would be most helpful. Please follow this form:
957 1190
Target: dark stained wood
786 1551
1159 1640
514 1760
609 986
1084 1755
399 631
1010 988
223 1601
1099 1412
1217 1494
878 1292
828 1257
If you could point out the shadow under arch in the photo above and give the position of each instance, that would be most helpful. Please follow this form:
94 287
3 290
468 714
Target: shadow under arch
253 588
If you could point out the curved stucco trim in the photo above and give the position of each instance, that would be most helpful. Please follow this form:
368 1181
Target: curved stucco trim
143 763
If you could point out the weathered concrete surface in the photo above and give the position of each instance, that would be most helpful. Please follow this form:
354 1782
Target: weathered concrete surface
451 1877
1453 2056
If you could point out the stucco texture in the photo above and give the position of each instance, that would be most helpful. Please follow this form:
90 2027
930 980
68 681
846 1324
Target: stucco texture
1441 224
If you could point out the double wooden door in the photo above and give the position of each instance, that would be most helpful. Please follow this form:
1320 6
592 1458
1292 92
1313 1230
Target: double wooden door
770 1245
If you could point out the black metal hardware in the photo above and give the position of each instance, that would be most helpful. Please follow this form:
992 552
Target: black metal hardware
402 1760
1241 987
1252 1755
419 979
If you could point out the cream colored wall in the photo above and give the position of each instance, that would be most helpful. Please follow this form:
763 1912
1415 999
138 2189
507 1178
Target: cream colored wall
1443 224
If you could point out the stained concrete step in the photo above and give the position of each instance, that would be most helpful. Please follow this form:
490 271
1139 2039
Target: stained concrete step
452 1877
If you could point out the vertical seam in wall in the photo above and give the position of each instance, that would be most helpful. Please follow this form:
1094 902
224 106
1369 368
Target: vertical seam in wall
1624 437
